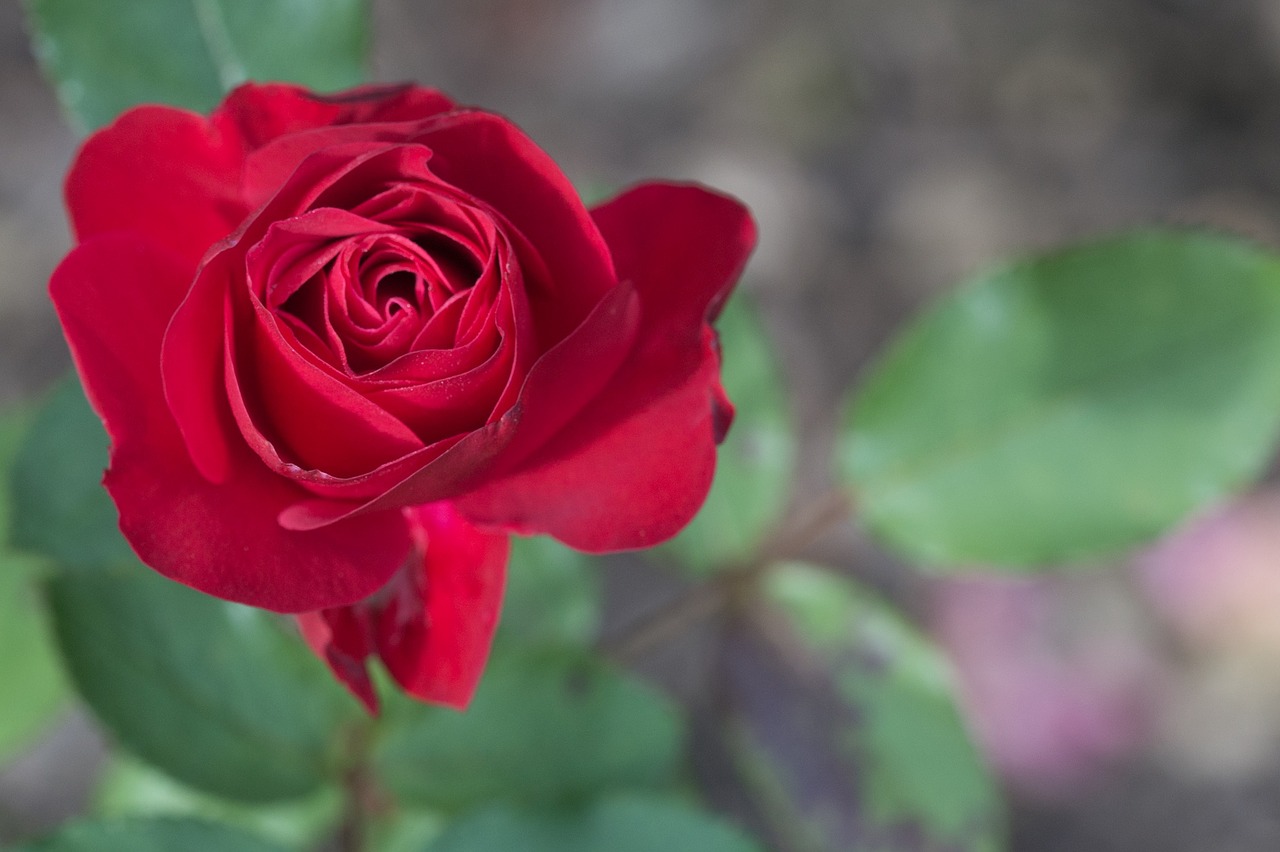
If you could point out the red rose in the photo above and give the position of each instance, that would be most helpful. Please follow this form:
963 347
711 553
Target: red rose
336 338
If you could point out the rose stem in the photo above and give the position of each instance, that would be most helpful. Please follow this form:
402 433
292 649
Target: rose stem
702 601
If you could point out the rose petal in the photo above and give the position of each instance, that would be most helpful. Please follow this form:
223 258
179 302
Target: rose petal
164 173
684 246
264 112
558 387
489 157
114 295
341 637
269 167
192 359
432 625
605 484
634 467
315 421
441 658
191 367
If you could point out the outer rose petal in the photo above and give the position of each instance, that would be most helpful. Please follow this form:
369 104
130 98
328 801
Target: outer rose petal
114 295
634 467
263 112
432 625
630 484
177 177
164 173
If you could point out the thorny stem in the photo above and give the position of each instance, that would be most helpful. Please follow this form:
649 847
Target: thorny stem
788 540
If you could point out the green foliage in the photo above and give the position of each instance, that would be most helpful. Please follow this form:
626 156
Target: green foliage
217 695
552 596
754 466
1073 404
60 507
27 657
14 424
621 824
130 789
107 57
405 831
28 663
907 744
151 835
544 727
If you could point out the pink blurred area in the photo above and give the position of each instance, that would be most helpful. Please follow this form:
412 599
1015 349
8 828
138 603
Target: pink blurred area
1172 657
1217 580
1050 700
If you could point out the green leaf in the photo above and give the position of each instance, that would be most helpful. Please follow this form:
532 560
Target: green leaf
552 596
620 824
132 789
27 655
920 773
28 661
405 831
1073 404
545 727
60 508
755 464
217 695
14 425
107 57
151 835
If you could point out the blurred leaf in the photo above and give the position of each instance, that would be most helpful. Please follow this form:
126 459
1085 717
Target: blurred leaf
14 425
215 694
755 464
321 44
129 788
27 656
107 57
60 508
28 662
619 824
151 835
547 727
1073 404
921 782
405 831
552 596
596 191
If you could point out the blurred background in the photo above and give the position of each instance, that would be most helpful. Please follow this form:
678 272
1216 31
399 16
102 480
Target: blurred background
889 148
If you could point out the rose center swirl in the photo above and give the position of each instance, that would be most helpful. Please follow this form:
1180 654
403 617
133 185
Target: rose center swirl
365 300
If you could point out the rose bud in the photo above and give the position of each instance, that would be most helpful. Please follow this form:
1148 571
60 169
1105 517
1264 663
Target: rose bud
343 345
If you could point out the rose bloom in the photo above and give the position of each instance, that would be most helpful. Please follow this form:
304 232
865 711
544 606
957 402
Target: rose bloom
344 344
